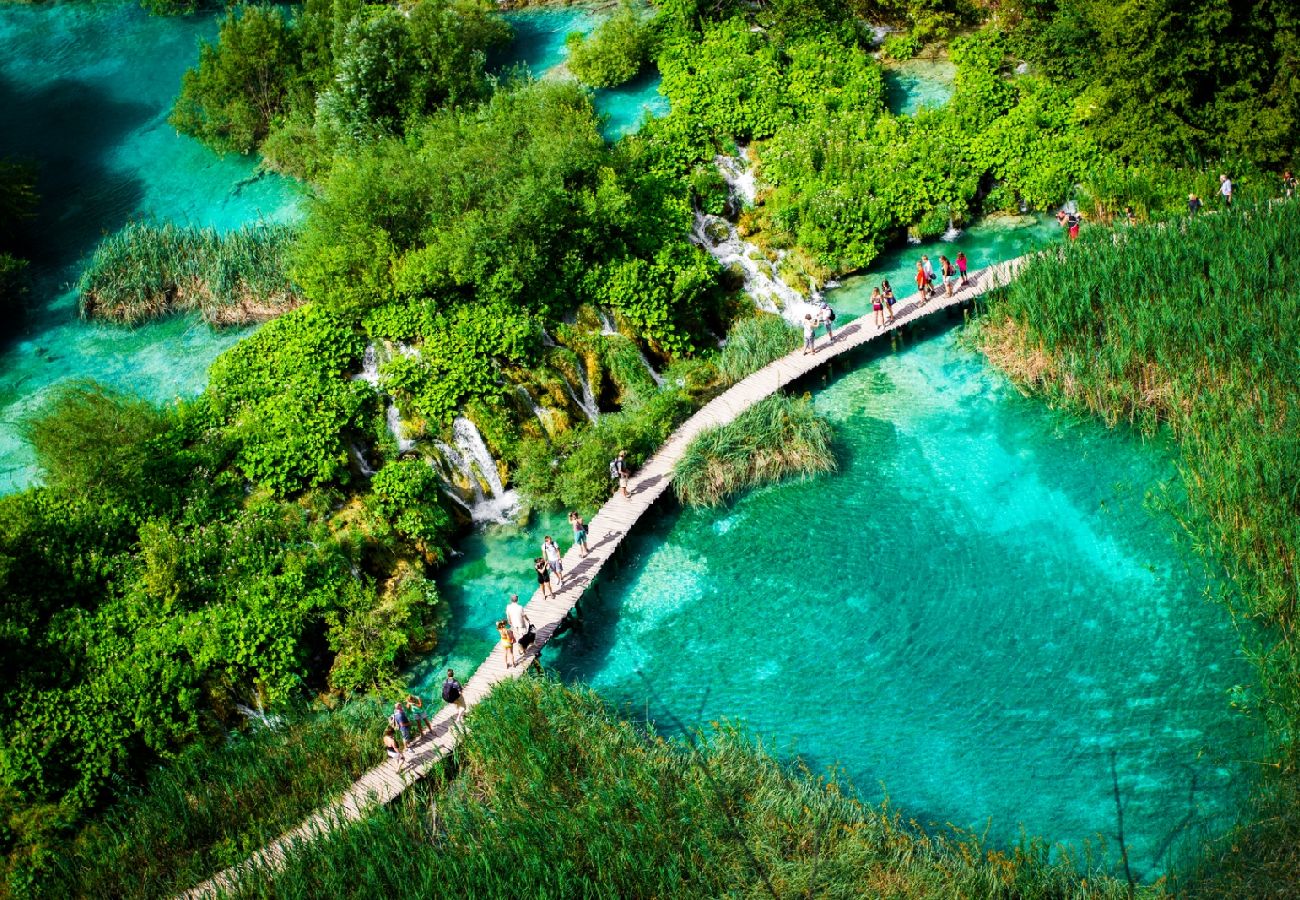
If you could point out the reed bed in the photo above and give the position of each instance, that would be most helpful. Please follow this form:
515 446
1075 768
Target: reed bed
777 438
213 806
146 271
557 797
753 343
1194 325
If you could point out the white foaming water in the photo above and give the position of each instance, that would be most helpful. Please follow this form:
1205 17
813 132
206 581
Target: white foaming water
658 379
369 367
394 419
496 504
588 404
952 233
763 285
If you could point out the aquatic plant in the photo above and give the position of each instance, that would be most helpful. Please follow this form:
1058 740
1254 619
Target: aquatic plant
1191 325
145 271
754 342
573 801
777 438
615 52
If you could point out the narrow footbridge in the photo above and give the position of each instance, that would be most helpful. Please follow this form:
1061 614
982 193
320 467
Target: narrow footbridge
606 532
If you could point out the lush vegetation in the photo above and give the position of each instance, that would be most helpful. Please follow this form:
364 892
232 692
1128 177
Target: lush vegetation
17 207
581 803
1190 326
615 52
209 808
775 439
145 271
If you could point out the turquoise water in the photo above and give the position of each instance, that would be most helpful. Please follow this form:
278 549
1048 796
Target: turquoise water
917 83
986 242
539 47
973 615
84 91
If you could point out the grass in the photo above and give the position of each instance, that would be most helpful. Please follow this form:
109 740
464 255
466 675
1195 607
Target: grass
557 797
145 271
754 342
777 438
1194 326
208 809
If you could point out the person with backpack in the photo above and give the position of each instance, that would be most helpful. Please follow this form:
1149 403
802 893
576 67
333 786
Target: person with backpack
554 559
543 576
945 267
620 469
827 317
399 721
922 282
419 717
455 695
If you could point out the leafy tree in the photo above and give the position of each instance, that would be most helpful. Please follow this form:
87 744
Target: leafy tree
615 52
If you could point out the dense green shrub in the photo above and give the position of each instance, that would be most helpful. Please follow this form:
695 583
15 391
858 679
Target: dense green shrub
754 342
901 45
283 396
406 494
615 52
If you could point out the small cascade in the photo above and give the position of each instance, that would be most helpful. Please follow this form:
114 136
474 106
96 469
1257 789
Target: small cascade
589 404
720 239
362 464
606 323
394 418
369 367
544 416
496 504
370 375
658 379
952 233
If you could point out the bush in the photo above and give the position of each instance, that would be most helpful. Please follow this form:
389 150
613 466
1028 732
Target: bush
901 45
615 52
754 342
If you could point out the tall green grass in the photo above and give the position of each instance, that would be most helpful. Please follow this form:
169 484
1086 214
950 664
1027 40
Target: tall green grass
754 342
1194 325
145 271
776 438
209 809
556 797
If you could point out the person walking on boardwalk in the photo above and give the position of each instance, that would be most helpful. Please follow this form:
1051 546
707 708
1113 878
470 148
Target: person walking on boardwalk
621 470
826 316
516 616
948 272
554 559
878 307
391 748
929 272
579 533
961 267
418 715
809 334
1288 184
507 642
887 293
399 721
1225 190
922 282
1193 204
543 576
454 694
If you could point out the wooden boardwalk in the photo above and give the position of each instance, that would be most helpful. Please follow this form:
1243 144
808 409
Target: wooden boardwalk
606 531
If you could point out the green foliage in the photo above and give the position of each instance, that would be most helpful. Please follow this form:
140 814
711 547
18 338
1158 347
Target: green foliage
615 52
775 439
754 342
583 804
146 271
406 494
205 810
241 83
662 298
284 399
901 45
14 287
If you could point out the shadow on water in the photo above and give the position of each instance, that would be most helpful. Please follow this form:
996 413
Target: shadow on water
66 128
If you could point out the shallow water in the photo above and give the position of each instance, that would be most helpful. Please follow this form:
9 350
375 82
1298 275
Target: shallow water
85 90
977 614
918 83
539 47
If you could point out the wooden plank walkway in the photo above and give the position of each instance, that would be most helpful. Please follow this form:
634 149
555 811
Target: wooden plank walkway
606 532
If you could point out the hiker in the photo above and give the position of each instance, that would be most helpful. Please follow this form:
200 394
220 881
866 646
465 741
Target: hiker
507 642
929 273
554 559
947 271
1193 204
887 292
922 283
1288 184
961 266
516 615
878 307
579 533
543 577
827 317
621 470
453 693
417 713
399 721
809 334
391 748
1225 190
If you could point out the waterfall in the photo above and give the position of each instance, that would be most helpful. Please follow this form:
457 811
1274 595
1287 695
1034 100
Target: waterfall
496 504
394 418
369 367
952 233
606 323
360 456
546 417
589 405
721 240
370 375
658 379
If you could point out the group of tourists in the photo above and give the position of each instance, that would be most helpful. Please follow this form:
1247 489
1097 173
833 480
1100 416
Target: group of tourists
926 278
822 315
407 715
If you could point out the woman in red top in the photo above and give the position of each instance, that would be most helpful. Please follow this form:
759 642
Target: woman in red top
922 282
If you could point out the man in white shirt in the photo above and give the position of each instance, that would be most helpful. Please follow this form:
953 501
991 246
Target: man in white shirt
1225 190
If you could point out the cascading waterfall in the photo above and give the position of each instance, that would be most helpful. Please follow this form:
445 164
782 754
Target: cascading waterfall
495 504
952 233
544 416
394 419
588 404
370 375
721 240
658 379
